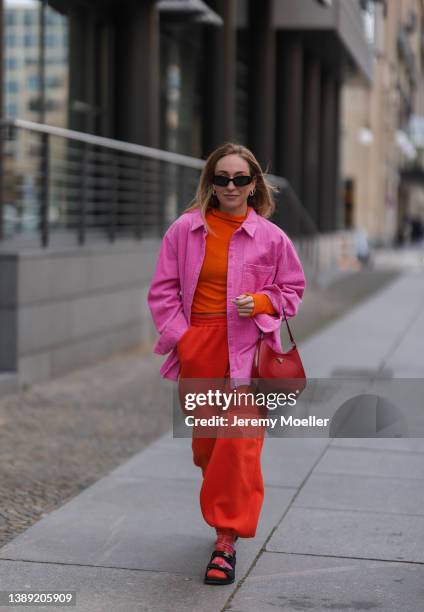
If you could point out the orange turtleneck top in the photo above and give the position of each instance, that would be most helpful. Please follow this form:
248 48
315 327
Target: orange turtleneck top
211 291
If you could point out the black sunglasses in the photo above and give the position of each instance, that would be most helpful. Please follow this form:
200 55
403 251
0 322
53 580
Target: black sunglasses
239 181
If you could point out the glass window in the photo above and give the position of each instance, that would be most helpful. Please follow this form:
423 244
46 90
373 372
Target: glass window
33 82
34 105
368 14
181 90
12 109
50 40
20 73
11 63
30 17
53 18
10 40
12 87
54 80
10 17
57 68
30 40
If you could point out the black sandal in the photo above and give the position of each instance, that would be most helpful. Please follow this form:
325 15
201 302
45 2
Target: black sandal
231 559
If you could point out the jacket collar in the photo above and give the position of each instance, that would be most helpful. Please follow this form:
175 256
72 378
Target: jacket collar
249 225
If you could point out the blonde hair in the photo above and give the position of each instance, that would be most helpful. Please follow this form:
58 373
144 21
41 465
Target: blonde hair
262 200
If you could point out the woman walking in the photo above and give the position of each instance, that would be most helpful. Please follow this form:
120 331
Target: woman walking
223 276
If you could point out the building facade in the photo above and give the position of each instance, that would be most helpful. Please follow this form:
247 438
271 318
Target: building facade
378 145
184 76
113 107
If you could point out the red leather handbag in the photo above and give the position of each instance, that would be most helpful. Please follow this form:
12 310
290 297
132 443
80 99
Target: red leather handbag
278 372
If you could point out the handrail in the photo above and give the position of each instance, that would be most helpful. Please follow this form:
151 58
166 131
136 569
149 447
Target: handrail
110 143
140 199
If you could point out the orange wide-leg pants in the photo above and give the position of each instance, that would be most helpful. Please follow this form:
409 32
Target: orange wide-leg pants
232 491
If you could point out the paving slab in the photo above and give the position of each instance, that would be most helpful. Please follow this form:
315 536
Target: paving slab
120 542
370 463
343 533
407 360
364 337
127 523
413 445
297 582
367 493
100 589
128 519
285 462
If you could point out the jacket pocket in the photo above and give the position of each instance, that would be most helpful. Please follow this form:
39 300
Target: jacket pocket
256 276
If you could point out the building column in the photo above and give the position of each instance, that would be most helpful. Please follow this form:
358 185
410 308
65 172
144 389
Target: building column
2 114
82 69
311 137
290 105
137 80
338 180
330 195
220 77
261 90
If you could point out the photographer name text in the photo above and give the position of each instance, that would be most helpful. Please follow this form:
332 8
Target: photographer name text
272 422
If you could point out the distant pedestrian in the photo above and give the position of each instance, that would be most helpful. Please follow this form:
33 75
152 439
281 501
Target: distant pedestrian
223 276
417 229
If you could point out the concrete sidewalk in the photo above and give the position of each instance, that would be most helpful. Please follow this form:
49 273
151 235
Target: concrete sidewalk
342 522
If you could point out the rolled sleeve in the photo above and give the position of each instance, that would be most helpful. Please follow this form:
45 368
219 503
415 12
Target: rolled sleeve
287 289
261 304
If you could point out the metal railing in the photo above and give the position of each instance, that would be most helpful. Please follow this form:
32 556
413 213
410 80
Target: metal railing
59 180
73 186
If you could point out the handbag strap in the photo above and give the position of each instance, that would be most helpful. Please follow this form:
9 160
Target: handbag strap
288 328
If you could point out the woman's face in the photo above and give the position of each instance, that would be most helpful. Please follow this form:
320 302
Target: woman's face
231 198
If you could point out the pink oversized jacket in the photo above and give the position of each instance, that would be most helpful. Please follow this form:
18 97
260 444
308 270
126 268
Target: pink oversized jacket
261 259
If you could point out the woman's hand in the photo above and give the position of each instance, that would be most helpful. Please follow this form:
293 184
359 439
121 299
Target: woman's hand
245 305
